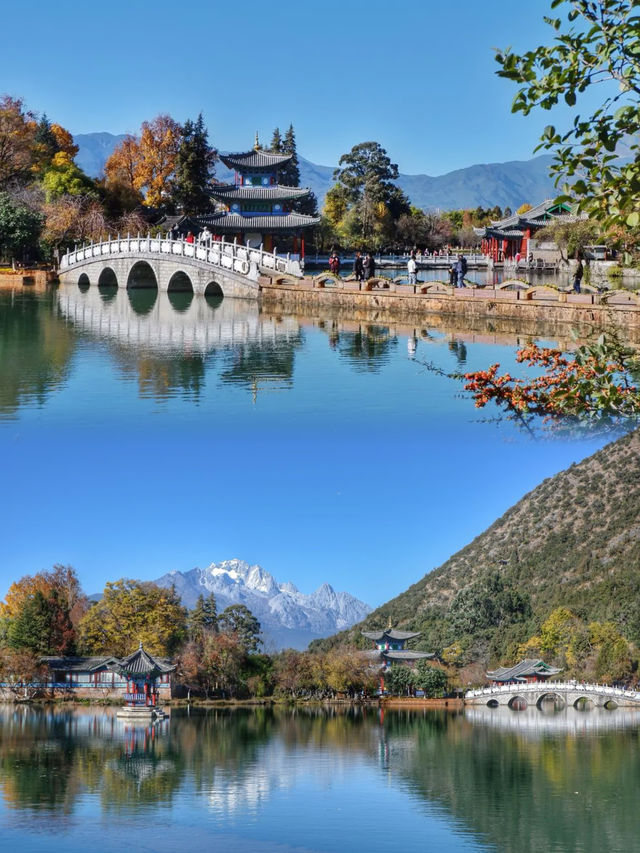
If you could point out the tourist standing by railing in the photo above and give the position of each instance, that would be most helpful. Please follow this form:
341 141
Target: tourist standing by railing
411 269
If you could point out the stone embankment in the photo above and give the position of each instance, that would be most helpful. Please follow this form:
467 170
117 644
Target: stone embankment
512 299
27 278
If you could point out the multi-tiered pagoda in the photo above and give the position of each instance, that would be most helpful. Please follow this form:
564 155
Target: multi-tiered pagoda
258 209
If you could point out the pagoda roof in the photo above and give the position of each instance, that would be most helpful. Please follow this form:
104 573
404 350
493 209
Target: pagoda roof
268 222
78 663
256 161
140 658
406 654
276 193
390 634
523 670
141 663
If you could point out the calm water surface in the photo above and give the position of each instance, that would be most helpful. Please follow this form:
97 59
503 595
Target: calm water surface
256 433
276 782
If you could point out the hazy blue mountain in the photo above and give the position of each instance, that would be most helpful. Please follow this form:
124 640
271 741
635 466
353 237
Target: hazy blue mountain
95 150
289 618
487 184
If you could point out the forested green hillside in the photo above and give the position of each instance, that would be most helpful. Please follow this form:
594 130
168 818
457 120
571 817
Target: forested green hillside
573 542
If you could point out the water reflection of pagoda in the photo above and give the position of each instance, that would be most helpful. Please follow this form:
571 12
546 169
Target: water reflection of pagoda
259 209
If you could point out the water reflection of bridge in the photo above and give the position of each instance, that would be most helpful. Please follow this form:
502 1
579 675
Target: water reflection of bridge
172 322
534 722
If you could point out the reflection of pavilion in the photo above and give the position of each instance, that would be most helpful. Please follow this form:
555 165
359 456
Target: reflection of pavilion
141 759
172 322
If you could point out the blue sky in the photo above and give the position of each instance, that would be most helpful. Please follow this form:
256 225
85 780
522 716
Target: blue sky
419 77
368 498
365 478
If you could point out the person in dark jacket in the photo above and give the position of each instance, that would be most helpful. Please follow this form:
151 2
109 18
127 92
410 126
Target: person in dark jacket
369 266
358 267
577 277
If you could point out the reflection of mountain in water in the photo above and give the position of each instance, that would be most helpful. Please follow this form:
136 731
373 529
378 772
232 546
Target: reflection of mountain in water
518 793
166 340
35 349
482 774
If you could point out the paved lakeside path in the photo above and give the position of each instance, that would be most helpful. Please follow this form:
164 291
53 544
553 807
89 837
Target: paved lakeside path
512 299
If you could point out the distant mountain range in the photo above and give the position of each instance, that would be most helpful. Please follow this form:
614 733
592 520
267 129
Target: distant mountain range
289 618
505 184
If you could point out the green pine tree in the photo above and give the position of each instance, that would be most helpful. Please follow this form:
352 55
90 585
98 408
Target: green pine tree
194 168
46 141
276 142
31 628
203 617
290 173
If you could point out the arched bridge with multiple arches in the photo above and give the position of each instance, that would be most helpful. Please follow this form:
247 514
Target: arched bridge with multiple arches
218 268
569 693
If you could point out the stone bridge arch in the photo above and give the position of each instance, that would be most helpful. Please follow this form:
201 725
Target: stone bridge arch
550 696
234 268
180 282
107 277
142 275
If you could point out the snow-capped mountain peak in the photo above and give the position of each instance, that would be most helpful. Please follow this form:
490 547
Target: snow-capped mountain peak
288 616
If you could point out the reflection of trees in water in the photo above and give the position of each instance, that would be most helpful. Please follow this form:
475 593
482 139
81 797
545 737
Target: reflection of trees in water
459 350
35 349
513 791
367 349
263 365
163 376
521 794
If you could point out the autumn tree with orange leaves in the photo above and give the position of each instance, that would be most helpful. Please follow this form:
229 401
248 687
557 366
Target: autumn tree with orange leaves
594 384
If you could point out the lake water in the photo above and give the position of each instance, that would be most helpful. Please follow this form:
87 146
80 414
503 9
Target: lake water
143 433
327 781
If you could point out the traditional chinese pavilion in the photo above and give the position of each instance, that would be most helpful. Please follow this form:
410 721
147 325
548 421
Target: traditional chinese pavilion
390 649
141 672
258 209
508 237
529 671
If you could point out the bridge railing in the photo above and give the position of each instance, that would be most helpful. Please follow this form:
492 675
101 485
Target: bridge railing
553 687
222 254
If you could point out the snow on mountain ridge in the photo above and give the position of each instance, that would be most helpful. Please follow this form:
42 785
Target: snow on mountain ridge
288 616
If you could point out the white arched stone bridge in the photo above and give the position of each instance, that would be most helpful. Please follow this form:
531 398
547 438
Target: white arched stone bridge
227 269
567 692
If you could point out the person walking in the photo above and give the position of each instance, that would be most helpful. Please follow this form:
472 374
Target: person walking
369 267
460 272
577 276
412 268
358 267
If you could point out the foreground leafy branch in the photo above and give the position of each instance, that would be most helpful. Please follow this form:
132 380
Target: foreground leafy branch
596 44
595 383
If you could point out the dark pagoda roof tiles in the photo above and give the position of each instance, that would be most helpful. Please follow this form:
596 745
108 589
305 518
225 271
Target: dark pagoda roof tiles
254 160
525 669
234 222
244 193
390 634
406 654
141 663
